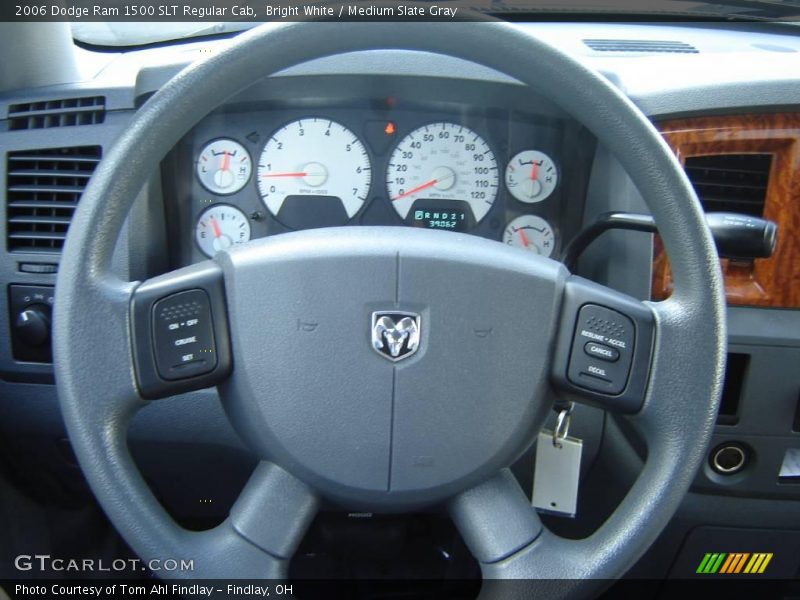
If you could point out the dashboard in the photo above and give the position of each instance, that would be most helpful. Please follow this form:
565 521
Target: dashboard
489 168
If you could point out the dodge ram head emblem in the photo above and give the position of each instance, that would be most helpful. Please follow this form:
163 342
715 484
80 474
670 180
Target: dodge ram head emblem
395 335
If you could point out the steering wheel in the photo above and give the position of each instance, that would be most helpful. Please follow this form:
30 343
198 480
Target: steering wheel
288 332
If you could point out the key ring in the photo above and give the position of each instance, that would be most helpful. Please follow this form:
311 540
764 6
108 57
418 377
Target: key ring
562 426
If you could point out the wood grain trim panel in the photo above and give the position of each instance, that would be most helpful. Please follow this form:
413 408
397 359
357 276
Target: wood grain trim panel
772 282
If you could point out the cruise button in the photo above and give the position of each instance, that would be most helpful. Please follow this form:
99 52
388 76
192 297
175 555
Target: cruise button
601 351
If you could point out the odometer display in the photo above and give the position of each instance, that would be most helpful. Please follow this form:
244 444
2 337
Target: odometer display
443 161
449 218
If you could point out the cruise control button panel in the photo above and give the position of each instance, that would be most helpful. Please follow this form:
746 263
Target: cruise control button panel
604 347
602 350
183 335
181 340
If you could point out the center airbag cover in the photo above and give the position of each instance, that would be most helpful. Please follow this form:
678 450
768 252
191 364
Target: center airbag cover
310 392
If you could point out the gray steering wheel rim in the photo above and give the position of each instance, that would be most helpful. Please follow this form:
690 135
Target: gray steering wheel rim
680 407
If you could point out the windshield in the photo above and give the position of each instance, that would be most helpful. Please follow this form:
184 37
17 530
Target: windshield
141 33
195 23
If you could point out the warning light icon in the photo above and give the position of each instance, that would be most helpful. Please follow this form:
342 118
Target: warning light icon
389 129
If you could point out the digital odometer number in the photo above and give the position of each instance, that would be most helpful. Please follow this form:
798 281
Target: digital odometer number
443 161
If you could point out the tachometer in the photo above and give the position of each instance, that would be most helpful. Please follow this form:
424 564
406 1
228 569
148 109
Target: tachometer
442 164
311 166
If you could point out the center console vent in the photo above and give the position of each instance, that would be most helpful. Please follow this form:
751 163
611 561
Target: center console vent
68 112
730 182
43 189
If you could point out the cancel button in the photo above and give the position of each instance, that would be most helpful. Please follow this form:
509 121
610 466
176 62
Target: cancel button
601 351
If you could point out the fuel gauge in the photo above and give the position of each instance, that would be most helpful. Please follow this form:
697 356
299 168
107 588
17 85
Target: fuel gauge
531 233
220 227
224 167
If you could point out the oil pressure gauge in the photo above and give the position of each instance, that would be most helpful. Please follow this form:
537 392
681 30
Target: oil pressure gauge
220 227
531 176
224 167
531 233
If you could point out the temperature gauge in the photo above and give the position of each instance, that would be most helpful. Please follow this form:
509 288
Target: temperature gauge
531 176
224 167
220 227
531 233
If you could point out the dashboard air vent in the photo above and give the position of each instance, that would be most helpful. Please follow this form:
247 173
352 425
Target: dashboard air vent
644 46
730 182
57 113
43 189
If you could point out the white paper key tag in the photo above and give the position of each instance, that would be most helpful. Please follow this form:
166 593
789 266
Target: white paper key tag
558 468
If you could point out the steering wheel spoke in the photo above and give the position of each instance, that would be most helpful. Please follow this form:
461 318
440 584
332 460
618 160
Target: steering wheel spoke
256 541
495 518
603 352
274 510
262 532
179 330
507 538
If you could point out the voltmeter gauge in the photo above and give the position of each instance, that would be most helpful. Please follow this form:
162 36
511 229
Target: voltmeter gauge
224 167
219 227
531 233
531 176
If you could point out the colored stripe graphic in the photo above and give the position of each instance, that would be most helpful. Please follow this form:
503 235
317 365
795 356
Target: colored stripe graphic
711 562
732 558
734 563
758 563
703 563
741 562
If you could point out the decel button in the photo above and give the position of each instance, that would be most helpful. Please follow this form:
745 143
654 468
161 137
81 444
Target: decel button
183 335
601 351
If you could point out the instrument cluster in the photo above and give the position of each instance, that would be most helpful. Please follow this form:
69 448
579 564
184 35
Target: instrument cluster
495 173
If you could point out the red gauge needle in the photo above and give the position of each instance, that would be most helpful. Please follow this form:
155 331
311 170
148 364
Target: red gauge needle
419 188
226 159
285 175
523 237
533 171
215 227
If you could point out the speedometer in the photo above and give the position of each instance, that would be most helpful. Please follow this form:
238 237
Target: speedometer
442 168
313 172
